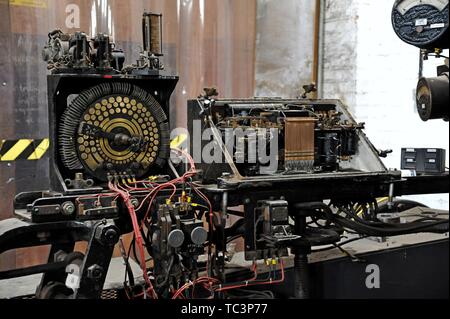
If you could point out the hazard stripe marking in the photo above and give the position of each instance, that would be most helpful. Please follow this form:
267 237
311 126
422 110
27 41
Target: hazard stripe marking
23 149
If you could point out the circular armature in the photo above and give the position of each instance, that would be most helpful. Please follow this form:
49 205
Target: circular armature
114 129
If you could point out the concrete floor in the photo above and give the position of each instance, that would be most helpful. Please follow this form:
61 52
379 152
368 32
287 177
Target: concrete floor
26 285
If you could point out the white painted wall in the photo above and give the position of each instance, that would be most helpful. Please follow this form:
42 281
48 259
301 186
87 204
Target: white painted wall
284 47
375 73
339 52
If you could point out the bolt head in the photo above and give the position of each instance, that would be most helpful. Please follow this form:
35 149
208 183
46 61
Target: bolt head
108 236
95 272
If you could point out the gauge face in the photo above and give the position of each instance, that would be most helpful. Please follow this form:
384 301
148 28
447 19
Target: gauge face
114 133
424 101
422 23
404 6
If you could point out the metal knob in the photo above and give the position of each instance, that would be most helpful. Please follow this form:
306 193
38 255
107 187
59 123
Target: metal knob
199 236
175 238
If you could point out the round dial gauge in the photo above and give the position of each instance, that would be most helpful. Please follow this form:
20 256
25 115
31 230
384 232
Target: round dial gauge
422 23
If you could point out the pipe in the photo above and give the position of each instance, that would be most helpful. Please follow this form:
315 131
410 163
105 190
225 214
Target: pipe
321 51
317 44
390 203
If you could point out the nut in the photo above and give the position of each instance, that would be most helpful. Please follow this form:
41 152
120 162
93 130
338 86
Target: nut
135 202
107 235
68 208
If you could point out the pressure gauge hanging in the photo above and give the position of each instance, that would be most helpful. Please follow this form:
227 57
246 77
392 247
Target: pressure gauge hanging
422 23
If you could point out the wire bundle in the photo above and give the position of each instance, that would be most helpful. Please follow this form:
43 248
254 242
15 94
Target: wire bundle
154 189
215 286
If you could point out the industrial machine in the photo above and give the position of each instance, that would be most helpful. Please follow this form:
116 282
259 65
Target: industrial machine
303 171
263 139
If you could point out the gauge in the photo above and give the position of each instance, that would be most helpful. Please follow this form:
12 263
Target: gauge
422 23
404 6
433 98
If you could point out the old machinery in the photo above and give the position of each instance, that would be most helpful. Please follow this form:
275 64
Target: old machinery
149 61
301 172
114 129
107 120
65 52
433 96
264 139
425 24
178 237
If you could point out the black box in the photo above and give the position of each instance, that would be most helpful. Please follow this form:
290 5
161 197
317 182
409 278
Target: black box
423 160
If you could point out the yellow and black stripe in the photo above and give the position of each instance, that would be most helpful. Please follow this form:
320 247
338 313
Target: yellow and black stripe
23 149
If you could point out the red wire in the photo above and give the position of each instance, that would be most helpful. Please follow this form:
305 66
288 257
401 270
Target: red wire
139 240
201 280
206 282
252 284
124 193
172 183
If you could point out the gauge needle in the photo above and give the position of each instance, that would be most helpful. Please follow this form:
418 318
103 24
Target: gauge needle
135 143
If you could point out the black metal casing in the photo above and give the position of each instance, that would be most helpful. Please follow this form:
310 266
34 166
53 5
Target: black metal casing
62 86
424 160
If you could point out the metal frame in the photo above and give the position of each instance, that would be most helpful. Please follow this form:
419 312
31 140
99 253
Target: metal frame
61 86
62 233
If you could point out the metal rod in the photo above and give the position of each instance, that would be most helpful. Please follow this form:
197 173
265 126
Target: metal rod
224 204
317 38
39 269
301 274
391 195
